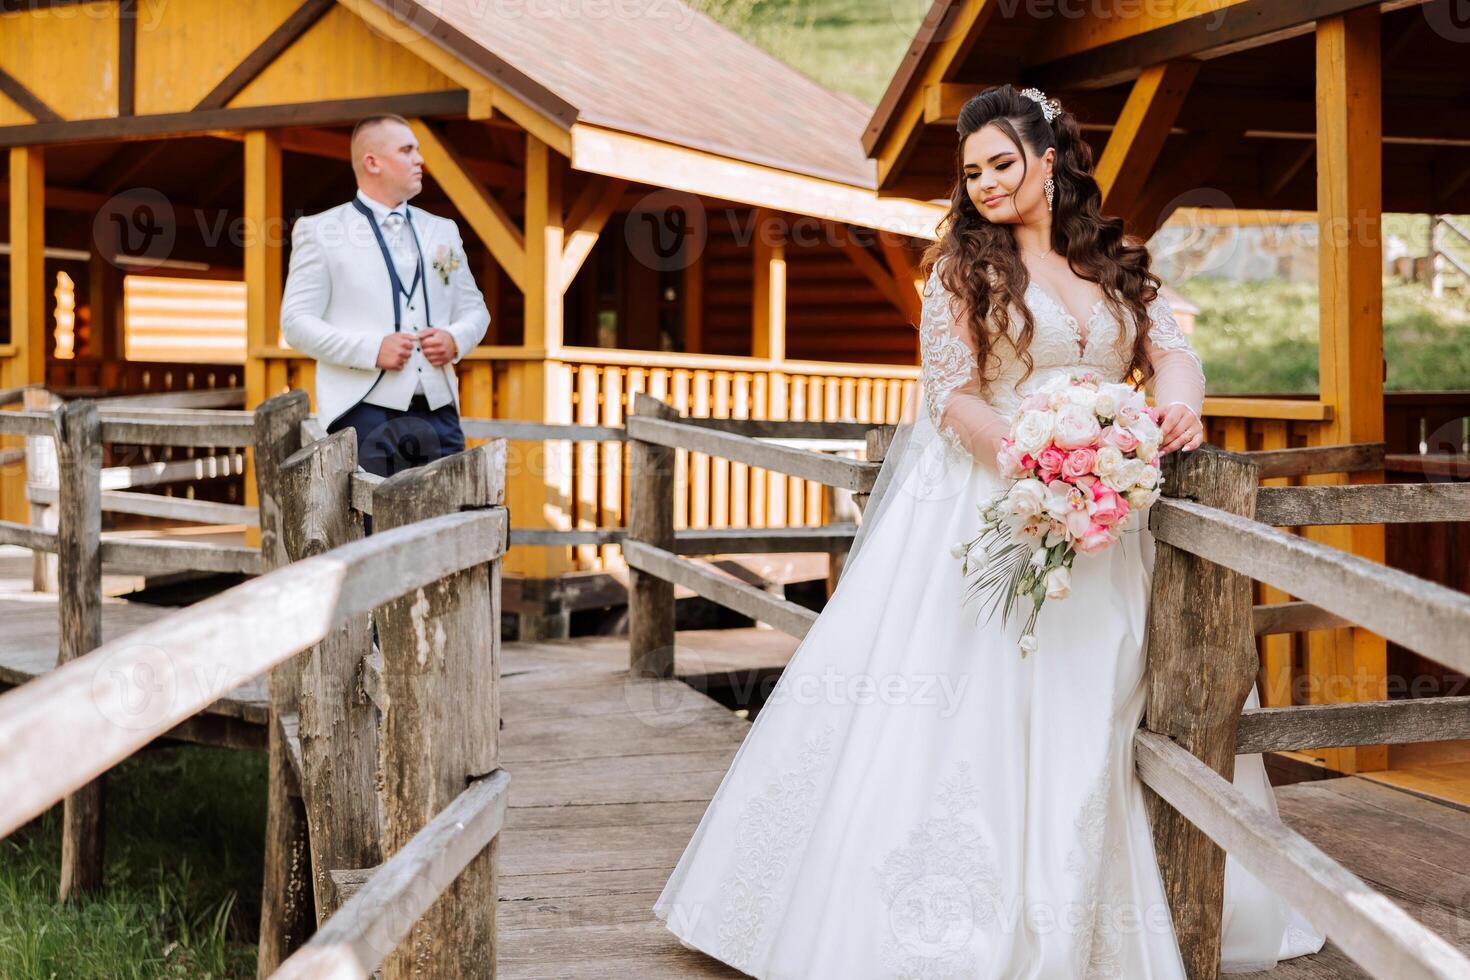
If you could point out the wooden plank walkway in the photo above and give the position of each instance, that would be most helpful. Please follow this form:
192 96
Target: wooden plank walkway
610 776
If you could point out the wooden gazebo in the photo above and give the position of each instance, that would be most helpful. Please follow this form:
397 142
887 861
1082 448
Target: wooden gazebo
1343 108
650 203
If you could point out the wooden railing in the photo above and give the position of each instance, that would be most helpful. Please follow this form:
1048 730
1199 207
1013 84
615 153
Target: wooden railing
429 578
1214 534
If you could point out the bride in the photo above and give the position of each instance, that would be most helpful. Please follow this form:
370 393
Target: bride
916 800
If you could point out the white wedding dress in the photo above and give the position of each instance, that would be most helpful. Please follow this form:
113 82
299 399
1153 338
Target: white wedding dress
915 799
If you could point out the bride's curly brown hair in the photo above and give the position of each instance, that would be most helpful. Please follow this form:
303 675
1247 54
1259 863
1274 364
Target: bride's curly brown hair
1092 242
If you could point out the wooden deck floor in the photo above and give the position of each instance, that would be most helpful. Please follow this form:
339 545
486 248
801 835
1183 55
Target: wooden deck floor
610 775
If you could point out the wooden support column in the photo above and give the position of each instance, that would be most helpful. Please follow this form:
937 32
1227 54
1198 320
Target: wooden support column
768 307
1201 665
285 906
264 234
1138 136
79 603
1350 664
337 726
23 358
539 474
441 719
105 299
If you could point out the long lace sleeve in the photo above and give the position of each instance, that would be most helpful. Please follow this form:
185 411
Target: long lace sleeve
1179 377
952 379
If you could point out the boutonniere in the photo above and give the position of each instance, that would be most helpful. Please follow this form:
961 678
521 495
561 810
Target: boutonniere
446 260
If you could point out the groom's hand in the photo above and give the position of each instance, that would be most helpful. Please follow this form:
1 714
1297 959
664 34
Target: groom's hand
394 352
438 346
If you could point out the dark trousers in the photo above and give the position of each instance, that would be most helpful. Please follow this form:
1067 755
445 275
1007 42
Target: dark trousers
390 441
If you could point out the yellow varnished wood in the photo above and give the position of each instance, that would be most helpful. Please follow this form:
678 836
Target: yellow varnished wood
545 233
186 47
340 57
25 361
66 56
1138 136
263 276
1350 664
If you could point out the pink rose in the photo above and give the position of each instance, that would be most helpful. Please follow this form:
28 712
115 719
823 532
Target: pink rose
1094 539
1008 461
1111 507
1079 462
1050 462
1037 401
1120 439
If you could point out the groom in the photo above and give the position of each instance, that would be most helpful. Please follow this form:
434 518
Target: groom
379 293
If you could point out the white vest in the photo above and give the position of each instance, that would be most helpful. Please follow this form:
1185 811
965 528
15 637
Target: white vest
338 306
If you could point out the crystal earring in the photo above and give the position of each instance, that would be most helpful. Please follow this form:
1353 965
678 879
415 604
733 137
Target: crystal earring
1051 187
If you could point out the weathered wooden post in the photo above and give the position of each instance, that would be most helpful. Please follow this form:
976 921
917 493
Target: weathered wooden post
1201 665
285 907
79 604
41 472
651 520
441 716
878 439
337 725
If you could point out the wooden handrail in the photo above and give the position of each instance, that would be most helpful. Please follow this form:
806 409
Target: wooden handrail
1363 503
834 471
1369 926
371 924
242 632
1424 616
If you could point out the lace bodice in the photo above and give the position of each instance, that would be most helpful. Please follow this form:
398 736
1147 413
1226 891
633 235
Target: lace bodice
974 424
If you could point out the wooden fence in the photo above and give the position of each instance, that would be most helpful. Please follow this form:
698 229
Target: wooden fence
429 578
1215 529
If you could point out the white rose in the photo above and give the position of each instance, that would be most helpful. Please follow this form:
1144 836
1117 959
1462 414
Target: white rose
1144 428
1109 458
1033 431
1149 478
1147 449
1076 427
1105 404
1028 644
1038 558
1139 499
1133 471
1026 497
1082 396
959 549
1058 582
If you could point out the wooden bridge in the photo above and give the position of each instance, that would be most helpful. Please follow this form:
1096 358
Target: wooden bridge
537 851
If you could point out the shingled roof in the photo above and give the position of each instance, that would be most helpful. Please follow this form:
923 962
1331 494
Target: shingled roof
662 70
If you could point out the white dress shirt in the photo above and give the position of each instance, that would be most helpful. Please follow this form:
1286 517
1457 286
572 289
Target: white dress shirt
426 379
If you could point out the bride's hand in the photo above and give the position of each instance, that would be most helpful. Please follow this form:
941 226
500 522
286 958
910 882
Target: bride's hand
1180 428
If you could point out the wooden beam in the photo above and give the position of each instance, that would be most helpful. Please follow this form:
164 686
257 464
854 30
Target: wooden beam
26 99
285 34
545 231
1137 138
1305 460
263 276
127 57
321 113
585 222
613 154
1386 503
491 222
768 305
1193 163
26 362
1350 664
1235 27
1375 722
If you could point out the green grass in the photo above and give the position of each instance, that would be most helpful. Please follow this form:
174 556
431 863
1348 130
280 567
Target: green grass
1261 337
185 837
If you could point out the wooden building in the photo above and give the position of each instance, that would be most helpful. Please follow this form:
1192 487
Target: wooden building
650 203
1341 108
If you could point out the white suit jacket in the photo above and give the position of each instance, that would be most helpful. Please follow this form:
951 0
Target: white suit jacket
338 301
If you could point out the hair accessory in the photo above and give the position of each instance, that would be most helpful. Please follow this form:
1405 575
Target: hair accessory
1049 107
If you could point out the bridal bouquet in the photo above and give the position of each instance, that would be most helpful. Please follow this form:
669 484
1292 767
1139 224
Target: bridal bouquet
1083 455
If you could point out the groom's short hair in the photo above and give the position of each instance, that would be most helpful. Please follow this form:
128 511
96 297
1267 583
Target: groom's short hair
360 133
